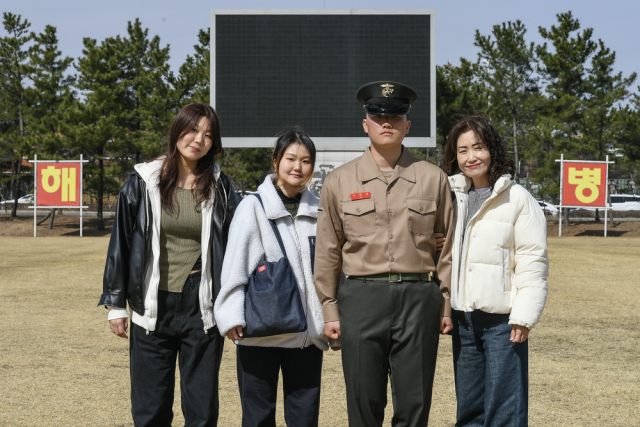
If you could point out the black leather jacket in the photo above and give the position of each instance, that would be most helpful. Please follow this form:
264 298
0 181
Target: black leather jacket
130 245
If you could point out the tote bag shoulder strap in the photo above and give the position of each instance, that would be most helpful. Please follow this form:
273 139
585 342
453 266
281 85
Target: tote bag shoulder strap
274 227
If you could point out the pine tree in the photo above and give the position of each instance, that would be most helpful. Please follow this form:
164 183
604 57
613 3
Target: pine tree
603 90
559 125
51 89
458 95
246 167
96 125
507 65
194 79
626 125
146 69
564 70
15 71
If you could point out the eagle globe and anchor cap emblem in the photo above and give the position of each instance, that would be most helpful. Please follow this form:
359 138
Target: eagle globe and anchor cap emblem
387 90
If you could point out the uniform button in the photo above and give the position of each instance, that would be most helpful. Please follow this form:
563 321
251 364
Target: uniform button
392 259
391 236
474 236
358 210
390 213
421 208
469 270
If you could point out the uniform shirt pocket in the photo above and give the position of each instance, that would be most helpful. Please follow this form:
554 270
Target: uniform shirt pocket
359 218
422 213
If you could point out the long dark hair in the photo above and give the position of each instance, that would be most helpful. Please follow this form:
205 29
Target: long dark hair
289 136
480 124
186 119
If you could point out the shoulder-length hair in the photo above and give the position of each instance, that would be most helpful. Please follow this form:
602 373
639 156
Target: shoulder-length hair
287 137
205 180
480 124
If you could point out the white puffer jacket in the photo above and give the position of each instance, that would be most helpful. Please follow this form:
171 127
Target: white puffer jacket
251 241
502 264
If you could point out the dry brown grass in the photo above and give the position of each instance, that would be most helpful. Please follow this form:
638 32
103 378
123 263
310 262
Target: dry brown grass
60 365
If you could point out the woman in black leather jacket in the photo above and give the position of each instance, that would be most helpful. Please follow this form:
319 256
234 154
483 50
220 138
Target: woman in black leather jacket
164 258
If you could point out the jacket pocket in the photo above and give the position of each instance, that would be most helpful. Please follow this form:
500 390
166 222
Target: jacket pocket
312 251
422 213
359 218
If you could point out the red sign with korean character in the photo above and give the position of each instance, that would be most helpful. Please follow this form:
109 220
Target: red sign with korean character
584 184
58 184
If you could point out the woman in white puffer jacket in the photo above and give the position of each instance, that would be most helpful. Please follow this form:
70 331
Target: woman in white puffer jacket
499 276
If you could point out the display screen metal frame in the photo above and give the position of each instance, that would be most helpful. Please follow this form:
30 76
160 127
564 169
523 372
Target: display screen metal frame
332 143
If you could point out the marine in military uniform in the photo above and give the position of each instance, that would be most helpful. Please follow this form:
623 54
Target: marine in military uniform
376 222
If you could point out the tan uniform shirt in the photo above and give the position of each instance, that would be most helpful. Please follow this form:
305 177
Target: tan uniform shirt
390 232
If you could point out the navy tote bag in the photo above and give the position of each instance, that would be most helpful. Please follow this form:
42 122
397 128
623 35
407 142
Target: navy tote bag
272 304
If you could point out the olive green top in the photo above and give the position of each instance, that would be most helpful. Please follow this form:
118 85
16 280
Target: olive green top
180 236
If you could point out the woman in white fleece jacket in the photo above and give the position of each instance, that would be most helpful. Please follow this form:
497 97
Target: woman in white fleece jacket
294 209
499 276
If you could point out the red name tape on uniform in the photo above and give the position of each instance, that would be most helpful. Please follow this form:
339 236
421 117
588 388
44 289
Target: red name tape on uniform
359 196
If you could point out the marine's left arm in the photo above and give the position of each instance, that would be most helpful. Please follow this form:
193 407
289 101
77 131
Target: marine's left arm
444 224
531 261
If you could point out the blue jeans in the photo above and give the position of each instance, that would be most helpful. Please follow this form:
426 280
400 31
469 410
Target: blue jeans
491 372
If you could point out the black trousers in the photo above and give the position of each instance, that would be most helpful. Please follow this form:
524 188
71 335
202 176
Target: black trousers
179 334
258 370
389 330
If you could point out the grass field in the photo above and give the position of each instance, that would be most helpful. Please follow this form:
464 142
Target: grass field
61 366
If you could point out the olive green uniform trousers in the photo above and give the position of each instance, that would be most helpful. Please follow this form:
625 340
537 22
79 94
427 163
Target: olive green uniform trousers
389 330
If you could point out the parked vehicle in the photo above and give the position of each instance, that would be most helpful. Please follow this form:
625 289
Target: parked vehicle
625 202
25 200
548 208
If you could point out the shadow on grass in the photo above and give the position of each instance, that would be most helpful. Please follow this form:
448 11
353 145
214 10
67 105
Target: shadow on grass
89 228
600 233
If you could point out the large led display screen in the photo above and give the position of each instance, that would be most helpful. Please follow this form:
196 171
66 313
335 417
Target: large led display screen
273 70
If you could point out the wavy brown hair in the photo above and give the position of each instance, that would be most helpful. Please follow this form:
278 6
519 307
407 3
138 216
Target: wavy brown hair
480 124
205 181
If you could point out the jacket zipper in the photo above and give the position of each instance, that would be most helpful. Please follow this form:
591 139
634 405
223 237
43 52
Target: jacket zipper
295 232
466 243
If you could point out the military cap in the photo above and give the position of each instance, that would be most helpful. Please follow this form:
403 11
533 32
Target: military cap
386 98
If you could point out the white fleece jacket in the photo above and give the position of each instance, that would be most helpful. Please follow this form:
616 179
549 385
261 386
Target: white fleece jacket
149 172
502 264
251 241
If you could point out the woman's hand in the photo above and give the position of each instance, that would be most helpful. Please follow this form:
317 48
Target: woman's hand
519 333
440 239
446 325
119 327
235 333
332 330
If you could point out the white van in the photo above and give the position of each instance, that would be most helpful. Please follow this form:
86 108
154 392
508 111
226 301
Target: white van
625 202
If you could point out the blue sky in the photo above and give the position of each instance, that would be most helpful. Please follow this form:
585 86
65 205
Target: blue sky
177 23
